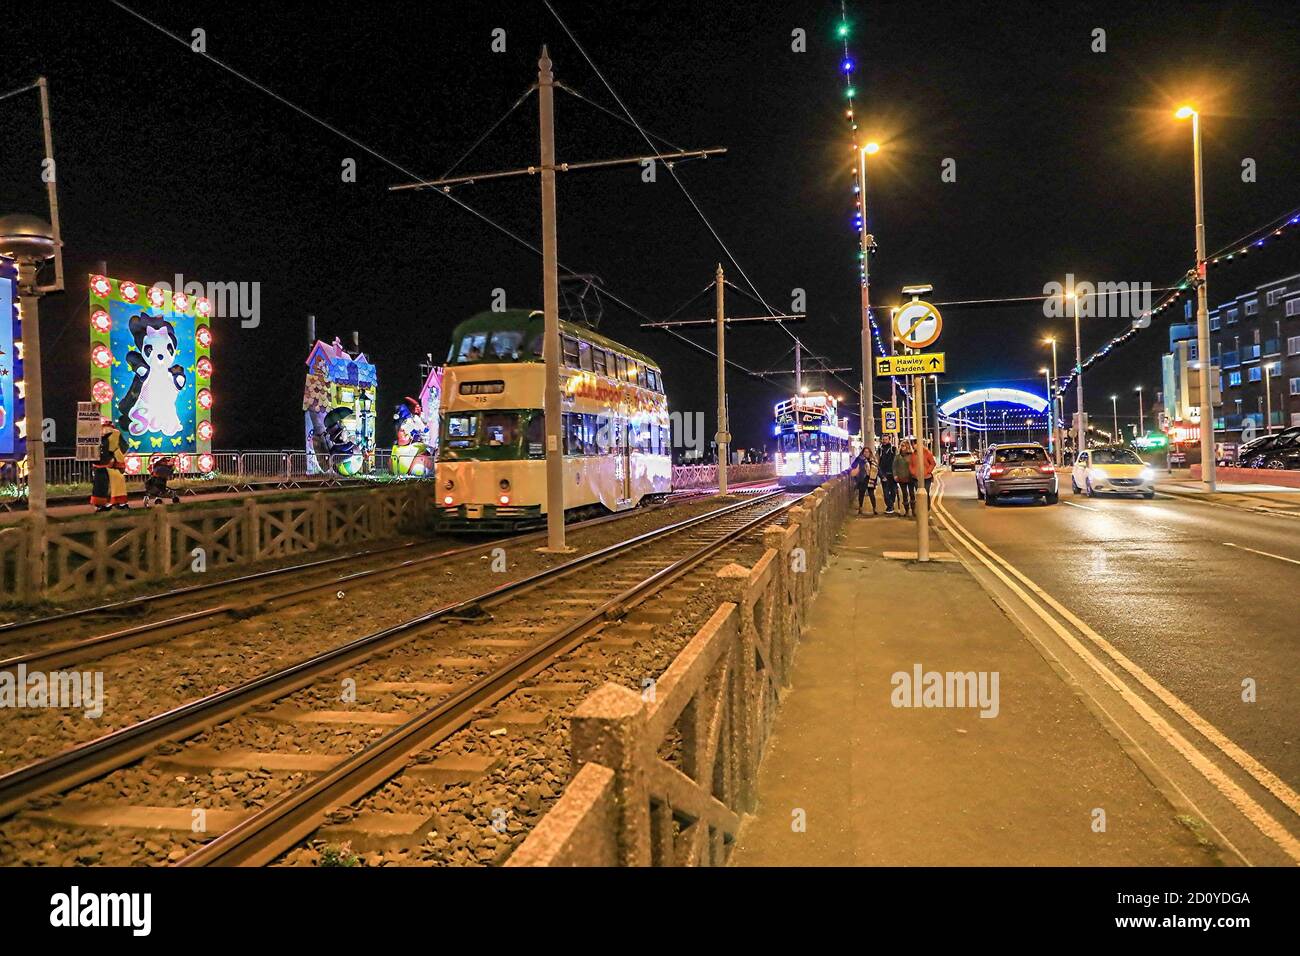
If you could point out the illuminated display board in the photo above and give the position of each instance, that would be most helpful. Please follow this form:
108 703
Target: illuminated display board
151 370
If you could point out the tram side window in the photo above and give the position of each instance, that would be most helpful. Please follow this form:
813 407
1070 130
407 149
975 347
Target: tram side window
620 367
598 361
651 380
584 356
461 430
535 346
471 347
536 435
790 442
570 346
500 429
604 434
640 374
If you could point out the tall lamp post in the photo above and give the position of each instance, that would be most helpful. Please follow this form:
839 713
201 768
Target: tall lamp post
1055 400
1080 441
1051 417
1114 415
866 407
1202 308
1142 415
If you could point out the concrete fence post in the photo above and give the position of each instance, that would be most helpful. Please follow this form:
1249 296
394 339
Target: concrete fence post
162 540
734 584
609 728
251 522
320 511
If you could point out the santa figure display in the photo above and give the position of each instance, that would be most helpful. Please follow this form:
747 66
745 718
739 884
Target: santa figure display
108 485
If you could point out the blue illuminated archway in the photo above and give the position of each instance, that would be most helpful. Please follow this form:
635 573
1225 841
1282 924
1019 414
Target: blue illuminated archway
990 396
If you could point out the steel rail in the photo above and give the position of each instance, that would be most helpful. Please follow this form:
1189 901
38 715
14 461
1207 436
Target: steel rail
103 754
267 834
101 645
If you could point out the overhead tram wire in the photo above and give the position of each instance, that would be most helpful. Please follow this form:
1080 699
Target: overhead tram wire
415 177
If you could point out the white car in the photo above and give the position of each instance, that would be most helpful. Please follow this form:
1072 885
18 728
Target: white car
1112 469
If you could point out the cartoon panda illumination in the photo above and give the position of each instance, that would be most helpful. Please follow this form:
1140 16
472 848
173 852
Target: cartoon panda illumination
150 403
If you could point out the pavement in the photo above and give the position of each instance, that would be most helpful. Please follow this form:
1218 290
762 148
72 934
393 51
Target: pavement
851 778
1250 496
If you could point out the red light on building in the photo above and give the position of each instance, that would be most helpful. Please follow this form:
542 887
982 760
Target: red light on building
205 367
206 431
205 398
101 286
130 291
204 336
100 321
101 356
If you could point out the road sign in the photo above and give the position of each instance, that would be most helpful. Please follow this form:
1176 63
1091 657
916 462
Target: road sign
925 363
917 324
889 420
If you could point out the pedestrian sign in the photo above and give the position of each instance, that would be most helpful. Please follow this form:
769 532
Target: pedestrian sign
924 363
889 420
917 324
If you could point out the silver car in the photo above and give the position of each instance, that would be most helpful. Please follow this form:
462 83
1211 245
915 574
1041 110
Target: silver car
1009 471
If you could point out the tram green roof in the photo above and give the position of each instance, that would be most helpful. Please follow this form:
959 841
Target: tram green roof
527 320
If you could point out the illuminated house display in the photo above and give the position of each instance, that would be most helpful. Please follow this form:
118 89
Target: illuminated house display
338 405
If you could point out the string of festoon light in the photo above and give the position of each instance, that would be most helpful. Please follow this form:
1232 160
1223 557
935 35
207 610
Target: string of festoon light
1225 256
847 66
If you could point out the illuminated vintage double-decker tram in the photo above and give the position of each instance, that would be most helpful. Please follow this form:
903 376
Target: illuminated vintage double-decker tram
491 468
812 444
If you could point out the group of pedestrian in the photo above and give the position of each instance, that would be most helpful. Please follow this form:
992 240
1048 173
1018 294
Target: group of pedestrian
893 470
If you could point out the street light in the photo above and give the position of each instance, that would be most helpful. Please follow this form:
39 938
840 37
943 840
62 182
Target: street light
866 406
1051 412
1114 414
1202 306
1052 397
1080 440
1142 416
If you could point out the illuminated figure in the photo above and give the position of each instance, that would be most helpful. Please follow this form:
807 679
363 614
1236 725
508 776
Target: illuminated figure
150 403
411 454
108 485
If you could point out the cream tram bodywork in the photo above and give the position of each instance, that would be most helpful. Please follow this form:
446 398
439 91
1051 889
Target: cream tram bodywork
491 470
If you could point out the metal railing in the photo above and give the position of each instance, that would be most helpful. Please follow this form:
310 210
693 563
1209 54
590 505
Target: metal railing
238 465
705 476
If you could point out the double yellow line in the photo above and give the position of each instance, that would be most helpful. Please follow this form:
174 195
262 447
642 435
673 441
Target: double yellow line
1039 602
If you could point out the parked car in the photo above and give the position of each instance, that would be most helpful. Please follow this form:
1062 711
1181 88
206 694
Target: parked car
961 460
1254 453
1016 470
1112 469
1283 452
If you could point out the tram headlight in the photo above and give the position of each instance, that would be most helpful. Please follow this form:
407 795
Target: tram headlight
447 500
504 499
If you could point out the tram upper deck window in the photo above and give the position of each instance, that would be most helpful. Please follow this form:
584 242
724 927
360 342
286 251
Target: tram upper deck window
570 350
462 430
499 429
584 356
505 345
652 379
620 366
471 347
598 361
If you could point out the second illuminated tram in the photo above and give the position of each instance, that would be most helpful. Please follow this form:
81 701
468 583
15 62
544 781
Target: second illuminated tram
812 443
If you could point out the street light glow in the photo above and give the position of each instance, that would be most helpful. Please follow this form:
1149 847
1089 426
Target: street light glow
1184 112
871 149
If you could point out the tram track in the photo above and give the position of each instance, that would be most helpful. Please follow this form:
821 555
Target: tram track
25 643
119 749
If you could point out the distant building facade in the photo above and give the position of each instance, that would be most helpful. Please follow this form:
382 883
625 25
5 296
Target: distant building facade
1255 349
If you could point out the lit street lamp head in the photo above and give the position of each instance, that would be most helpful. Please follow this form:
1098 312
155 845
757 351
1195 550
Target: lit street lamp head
1184 112
871 149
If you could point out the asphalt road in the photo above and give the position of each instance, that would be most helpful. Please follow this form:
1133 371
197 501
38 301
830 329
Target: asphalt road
1171 584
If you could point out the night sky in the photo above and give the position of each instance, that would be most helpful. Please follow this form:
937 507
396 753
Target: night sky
1067 161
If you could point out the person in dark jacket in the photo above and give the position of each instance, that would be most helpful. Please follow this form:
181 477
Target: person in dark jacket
886 469
865 473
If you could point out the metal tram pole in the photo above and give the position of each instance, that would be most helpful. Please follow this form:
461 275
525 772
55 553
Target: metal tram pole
1080 440
866 398
552 412
922 506
722 438
1203 318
